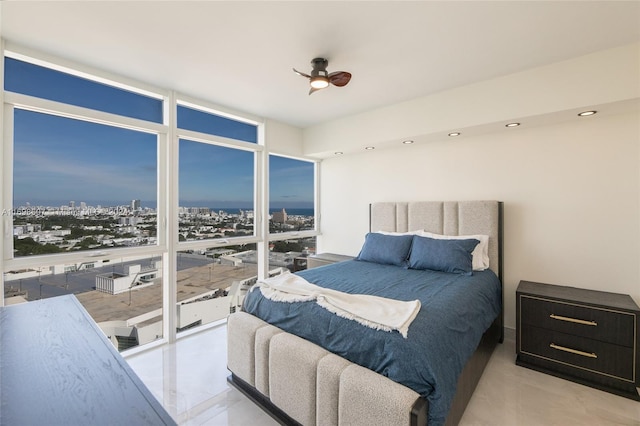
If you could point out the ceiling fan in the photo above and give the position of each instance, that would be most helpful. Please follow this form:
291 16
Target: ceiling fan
319 77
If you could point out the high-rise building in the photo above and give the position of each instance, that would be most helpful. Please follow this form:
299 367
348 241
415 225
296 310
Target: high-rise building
279 217
135 204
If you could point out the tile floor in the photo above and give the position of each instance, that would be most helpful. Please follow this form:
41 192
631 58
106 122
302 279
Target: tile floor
189 379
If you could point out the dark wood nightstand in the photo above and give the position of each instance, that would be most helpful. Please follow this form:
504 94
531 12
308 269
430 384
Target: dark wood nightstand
586 336
299 263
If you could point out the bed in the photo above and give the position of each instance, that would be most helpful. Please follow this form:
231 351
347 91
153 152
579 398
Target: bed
305 365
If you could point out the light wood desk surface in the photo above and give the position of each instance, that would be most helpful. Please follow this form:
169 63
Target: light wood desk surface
58 368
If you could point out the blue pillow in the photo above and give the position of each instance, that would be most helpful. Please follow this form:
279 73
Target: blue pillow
386 249
442 255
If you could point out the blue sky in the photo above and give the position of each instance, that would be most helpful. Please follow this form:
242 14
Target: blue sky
57 160
290 183
225 175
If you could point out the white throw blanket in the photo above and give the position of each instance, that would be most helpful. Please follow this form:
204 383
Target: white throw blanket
372 311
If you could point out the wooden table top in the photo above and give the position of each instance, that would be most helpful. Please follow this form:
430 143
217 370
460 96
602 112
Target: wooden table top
58 368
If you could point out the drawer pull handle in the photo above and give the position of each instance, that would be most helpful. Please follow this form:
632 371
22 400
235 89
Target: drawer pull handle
573 351
577 321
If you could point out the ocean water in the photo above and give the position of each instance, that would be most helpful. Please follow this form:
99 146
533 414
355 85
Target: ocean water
290 211
297 212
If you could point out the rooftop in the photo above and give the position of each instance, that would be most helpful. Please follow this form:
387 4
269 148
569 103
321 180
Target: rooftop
191 282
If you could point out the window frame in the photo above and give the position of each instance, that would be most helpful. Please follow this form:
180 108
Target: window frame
280 236
14 101
221 242
167 208
257 148
215 110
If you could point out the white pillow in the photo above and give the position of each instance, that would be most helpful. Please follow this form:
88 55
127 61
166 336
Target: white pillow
416 232
480 254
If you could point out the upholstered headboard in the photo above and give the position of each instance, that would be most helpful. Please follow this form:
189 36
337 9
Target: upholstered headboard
448 218
444 217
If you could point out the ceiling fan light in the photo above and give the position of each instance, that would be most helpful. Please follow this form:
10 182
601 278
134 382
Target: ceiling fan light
319 82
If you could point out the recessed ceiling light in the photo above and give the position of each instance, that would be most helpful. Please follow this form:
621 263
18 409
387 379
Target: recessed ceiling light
407 142
369 148
452 134
338 153
512 125
587 113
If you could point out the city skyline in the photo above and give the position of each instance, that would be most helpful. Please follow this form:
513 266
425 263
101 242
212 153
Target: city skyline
215 208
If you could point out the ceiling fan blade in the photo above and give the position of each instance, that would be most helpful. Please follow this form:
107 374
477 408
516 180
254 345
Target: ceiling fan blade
339 78
301 73
313 89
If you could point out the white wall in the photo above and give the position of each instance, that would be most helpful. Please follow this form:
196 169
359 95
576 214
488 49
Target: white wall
571 194
283 139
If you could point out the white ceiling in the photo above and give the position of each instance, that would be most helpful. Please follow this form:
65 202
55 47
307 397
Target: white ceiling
240 54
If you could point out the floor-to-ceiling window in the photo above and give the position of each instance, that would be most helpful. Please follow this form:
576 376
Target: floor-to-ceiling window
81 196
151 208
292 213
218 201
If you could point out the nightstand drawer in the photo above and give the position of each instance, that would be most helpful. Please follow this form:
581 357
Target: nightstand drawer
579 352
594 323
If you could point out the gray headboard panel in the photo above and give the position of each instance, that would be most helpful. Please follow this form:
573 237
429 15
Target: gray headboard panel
444 217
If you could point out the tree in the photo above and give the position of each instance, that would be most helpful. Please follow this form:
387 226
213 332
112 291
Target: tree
287 246
28 247
87 244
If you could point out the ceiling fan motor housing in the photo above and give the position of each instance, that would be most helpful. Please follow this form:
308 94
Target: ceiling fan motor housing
319 67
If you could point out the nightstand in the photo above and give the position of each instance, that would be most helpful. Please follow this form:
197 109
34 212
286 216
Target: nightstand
299 263
322 259
586 336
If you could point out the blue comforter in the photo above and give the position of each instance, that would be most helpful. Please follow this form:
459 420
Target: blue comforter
456 310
